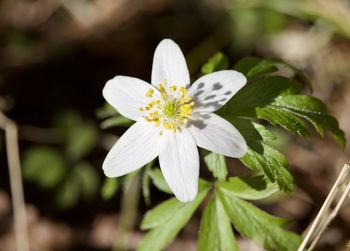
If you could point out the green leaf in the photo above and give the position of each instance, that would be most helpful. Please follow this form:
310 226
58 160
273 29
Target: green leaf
259 94
265 134
109 188
252 132
146 184
106 111
158 180
44 166
246 64
272 163
250 187
313 110
217 165
253 223
68 193
87 178
261 156
215 232
253 67
79 135
285 119
217 62
167 219
118 120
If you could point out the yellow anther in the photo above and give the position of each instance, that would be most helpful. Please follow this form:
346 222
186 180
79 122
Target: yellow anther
183 90
149 93
161 88
141 109
173 88
188 99
166 126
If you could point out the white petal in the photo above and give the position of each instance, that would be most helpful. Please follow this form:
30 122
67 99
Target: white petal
135 148
179 162
217 135
169 65
213 90
127 95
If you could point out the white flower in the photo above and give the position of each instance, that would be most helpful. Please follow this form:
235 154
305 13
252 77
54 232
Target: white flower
172 119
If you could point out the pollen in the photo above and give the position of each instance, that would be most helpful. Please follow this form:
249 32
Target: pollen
173 88
171 111
149 93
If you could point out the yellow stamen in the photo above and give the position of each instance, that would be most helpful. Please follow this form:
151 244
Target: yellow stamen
173 88
149 93
171 111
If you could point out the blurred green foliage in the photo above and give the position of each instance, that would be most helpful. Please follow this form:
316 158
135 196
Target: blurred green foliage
62 168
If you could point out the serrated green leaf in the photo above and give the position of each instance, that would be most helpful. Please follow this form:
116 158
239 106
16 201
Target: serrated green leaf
259 94
217 165
215 233
252 132
87 178
249 187
44 166
158 180
259 226
272 163
261 156
167 219
313 110
217 62
109 188
266 134
285 119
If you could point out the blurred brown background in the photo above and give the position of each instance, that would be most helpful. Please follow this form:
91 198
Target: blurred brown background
56 55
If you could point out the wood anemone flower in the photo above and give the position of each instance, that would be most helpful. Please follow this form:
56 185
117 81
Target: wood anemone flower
172 119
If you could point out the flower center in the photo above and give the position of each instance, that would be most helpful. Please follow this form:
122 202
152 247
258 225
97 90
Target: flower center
171 110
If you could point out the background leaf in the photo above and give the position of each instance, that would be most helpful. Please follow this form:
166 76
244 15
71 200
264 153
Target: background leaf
44 166
87 178
216 63
68 193
253 67
109 188
80 136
